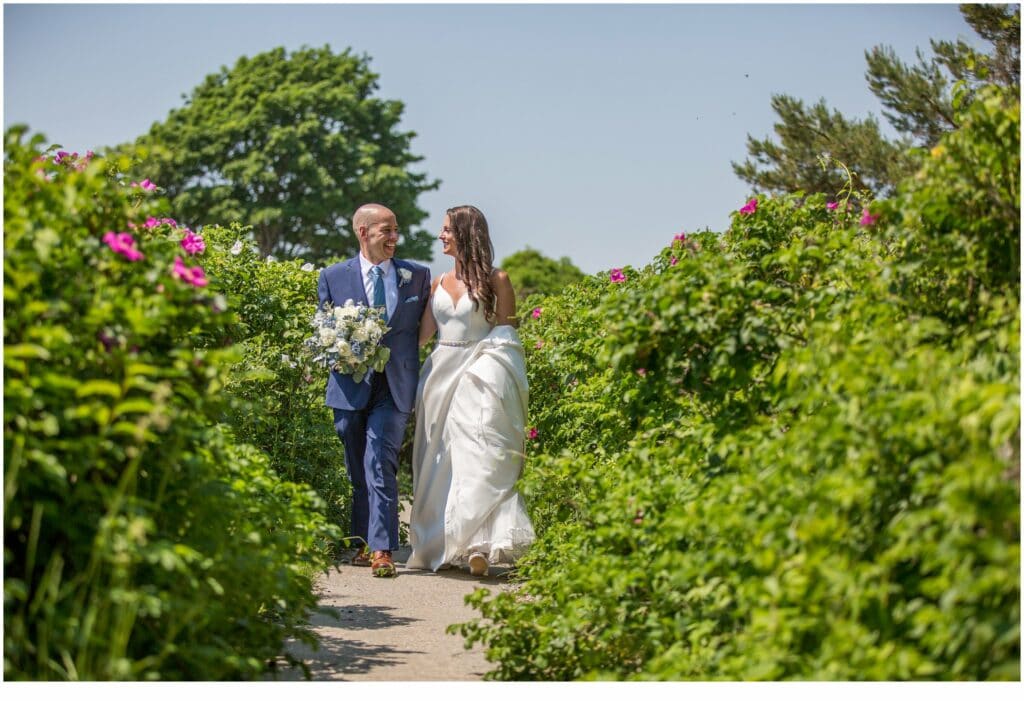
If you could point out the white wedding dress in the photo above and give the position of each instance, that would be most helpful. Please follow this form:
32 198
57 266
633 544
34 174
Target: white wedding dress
468 451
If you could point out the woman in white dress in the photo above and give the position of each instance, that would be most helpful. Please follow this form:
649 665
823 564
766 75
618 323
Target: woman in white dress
470 412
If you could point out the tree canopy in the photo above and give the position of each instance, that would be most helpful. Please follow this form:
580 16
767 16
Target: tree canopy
291 145
532 272
918 102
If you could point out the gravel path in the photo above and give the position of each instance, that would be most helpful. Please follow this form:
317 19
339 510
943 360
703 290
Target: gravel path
394 629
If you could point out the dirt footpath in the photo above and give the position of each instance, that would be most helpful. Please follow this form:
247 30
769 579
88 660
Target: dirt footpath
394 629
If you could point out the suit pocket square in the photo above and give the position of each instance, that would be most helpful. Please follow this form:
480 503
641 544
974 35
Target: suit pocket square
414 298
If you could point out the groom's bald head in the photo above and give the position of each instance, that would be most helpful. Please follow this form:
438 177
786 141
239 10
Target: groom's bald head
376 228
367 215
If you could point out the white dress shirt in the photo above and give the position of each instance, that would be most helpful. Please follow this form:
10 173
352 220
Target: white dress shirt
390 282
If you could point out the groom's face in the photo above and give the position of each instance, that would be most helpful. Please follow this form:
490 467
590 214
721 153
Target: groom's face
379 237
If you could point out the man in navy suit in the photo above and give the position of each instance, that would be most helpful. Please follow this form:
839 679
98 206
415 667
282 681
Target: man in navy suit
370 416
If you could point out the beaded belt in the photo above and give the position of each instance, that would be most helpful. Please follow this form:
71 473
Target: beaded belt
456 343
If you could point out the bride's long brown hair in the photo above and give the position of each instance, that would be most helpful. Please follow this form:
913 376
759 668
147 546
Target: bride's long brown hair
475 255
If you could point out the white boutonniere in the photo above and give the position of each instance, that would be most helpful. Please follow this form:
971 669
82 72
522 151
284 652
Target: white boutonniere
404 276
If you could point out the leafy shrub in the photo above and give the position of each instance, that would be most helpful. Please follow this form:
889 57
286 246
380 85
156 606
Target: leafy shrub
141 541
770 455
277 400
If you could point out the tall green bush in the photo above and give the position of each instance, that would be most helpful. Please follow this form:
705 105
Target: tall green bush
141 540
775 453
277 399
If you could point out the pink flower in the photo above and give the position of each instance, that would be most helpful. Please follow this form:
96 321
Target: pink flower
641 372
193 276
750 207
151 222
146 184
868 219
673 261
193 243
617 275
168 220
533 434
124 244
61 155
536 312
538 344
832 206
680 237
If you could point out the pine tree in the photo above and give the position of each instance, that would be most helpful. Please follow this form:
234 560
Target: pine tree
918 102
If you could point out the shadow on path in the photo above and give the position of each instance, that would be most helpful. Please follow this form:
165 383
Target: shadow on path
338 658
358 617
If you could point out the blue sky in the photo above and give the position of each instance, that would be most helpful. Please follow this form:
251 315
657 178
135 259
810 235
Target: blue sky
594 131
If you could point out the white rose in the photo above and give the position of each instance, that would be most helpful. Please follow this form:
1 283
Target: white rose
308 267
237 248
359 333
327 337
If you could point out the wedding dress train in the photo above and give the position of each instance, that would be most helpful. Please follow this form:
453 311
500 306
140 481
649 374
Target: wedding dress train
468 450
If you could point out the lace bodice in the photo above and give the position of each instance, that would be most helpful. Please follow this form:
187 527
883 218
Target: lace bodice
457 322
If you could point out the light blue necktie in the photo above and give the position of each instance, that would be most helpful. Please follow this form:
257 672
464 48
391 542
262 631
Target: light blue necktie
378 290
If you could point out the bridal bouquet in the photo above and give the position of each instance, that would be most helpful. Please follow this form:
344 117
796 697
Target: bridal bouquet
347 339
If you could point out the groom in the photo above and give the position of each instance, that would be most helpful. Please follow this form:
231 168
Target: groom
370 416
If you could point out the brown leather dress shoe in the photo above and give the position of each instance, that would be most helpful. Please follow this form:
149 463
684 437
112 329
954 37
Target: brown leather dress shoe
383 565
362 558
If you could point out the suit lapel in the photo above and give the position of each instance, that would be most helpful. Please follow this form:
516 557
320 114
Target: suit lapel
354 280
404 291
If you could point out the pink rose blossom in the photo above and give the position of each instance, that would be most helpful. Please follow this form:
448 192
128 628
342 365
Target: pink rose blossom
868 219
59 158
617 275
193 243
124 244
538 344
750 207
151 222
681 236
832 206
673 261
536 312
193 276
642 372
533 434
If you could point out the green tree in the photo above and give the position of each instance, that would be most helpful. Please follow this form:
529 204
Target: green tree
291 145
807 133
532 272
918 102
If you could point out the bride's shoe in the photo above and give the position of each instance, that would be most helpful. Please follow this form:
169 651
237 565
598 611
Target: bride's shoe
477 565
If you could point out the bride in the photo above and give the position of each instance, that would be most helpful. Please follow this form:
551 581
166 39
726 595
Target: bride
470 412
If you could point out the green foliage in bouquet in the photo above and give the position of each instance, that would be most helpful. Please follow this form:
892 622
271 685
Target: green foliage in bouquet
790 451
141 539
277 399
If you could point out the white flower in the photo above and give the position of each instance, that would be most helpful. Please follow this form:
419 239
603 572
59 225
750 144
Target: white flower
286 359
308 267
339 331
327 336
359 333
271 259
404 276
237 248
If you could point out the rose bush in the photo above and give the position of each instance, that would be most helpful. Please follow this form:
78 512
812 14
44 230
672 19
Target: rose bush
789 451
142 540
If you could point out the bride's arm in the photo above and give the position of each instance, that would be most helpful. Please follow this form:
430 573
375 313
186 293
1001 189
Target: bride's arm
505 304
428 325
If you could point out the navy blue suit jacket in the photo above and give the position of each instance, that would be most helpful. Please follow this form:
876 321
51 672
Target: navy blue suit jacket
343 281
